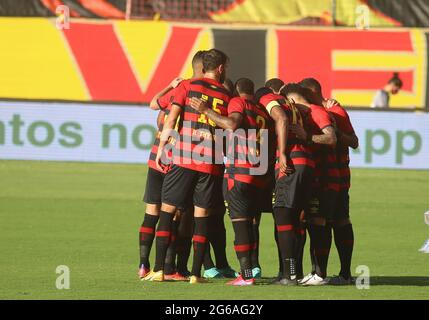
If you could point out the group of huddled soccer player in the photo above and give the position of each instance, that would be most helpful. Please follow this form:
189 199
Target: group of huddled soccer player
303 179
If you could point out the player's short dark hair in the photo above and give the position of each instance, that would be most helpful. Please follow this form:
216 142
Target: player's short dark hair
395 80
311 84
198 57
261 92
275 83
296 88
245 86
213 58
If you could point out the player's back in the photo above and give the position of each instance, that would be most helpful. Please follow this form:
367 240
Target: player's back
327 171
245 143
196 130
344 125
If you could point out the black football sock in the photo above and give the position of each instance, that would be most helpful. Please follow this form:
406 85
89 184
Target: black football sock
286 224
320 238
208 261
344 241
163 234
314 238
328 244
146 236
217 237
170 258
183 249
254 255
300 244
312 256
184 242
243 244
279 254
200 244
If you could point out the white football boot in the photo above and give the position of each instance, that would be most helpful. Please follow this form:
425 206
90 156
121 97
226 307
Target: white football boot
425 247
315 280
305 279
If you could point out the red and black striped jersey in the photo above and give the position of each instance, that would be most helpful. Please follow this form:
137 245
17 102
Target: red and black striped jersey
195 148
244 144
344 125
164 104
298 152
326 173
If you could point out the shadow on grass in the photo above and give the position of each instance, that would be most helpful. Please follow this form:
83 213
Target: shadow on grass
380 281
400 281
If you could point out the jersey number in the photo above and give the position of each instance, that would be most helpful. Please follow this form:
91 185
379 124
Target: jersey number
215 103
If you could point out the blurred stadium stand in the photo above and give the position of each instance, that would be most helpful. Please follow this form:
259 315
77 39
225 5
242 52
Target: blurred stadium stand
383 13
44 62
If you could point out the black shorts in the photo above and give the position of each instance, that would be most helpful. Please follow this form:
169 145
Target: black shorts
322 204
241 199
265 196
154 181
180 183
342 210
219 201
294 190
265 199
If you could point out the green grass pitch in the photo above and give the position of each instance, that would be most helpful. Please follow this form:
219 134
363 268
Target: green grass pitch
87 216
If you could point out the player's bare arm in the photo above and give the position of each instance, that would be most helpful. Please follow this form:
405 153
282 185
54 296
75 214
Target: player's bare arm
154 102
349 140
160 119
232 122
328 137
282 128
169 124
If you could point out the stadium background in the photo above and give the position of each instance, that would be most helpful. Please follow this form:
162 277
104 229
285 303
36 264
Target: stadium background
81 94
120 53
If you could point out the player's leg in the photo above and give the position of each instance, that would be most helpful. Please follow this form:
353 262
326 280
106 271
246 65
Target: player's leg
291 194
254 254
177 183
152 198
217 233
210 270
200 242
217 237
214 234
301 237
170 258
146 236
286 219
319 229
203 200
305 193
264 202
243 245
241 206
344 239
279 254
298 193
184 242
